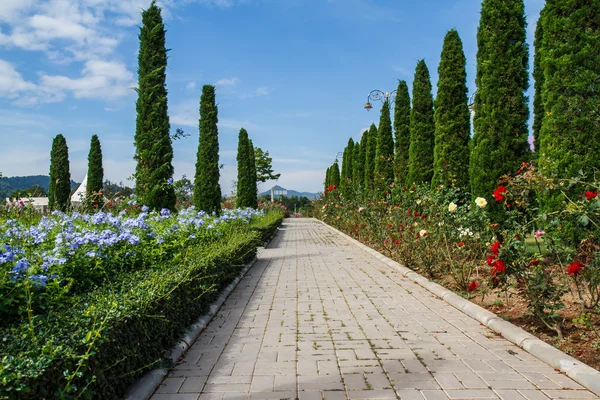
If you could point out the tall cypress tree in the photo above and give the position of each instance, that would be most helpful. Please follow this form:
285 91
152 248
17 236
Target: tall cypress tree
402 132
327 178
60 175
154 150
538 76
253 175
344 171
360 179
570 134
501 110
207 191
356 167
245 180
422 128
95 174
370 154
384 153
335 175
452 117
347 166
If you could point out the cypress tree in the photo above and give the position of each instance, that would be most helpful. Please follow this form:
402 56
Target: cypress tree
335 175
356 167
538 76
253 175
370 154
95 174
245 180
501 110
60 176
207 191
360 179
570 134
402 132
327 177
154 150
422 128
347 166
384 153
452 117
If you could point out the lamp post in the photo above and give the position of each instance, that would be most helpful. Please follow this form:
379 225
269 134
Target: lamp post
379 95
338 155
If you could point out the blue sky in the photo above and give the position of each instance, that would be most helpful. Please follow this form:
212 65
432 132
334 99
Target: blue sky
294 73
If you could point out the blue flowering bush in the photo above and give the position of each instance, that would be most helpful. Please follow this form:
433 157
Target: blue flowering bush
88 302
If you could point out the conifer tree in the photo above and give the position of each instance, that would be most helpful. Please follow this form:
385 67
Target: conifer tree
327 178
95 174
422 128
60 176
357 174
452 117
538 76
370 154
253 175
347 161
402 132
360 179
335 175
207 191
501 110
246 182
570 133
384 153
154 150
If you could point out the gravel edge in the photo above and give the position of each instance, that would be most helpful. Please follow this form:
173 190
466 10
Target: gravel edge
145 387
574 369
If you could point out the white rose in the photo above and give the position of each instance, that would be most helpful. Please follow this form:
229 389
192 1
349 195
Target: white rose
481 202
452 207
422 233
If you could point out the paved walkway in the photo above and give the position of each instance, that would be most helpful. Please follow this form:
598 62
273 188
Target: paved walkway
318 318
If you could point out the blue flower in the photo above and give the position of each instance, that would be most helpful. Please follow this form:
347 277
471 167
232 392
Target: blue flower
20 268
39 280
170 181
145 209
165 212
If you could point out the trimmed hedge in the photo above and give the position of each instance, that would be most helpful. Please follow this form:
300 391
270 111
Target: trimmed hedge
267 226
98 347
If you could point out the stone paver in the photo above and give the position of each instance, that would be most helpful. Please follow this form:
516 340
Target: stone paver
318 318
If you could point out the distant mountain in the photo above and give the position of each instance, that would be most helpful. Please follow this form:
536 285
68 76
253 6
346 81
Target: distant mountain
289 193
10 184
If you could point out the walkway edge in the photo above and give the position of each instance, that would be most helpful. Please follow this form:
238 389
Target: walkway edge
145 387
574 369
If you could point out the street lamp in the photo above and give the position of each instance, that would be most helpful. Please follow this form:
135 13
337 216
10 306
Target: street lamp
338 155
471 103
379 95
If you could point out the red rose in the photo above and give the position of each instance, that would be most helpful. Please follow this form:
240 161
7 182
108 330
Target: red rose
499 193
499 267
474 285
416 214
396 242
461 244
494 226
390 226
591 195
408 212
495 248
490 260
535 262
575 268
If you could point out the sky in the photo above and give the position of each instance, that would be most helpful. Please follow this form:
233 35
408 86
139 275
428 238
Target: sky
294 73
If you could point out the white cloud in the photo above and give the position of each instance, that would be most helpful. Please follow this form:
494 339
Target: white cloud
260 92
191 85
227 82
12 83
109 109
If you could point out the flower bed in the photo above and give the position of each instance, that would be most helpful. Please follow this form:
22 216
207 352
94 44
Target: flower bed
539 269
90 302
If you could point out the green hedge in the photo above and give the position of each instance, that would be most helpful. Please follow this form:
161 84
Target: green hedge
115 334
267 225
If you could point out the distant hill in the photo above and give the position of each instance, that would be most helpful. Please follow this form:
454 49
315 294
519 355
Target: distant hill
10 184
290 193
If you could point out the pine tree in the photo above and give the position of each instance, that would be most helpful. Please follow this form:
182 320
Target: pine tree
356 167
370 154
402 132
570 133
335 175
347 161
538 76
253 175
154 150
422 128
60 175
452 117
245 181
384 153
501 110
207 191
95 174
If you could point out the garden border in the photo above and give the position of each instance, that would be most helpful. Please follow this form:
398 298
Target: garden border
574 369
145 387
